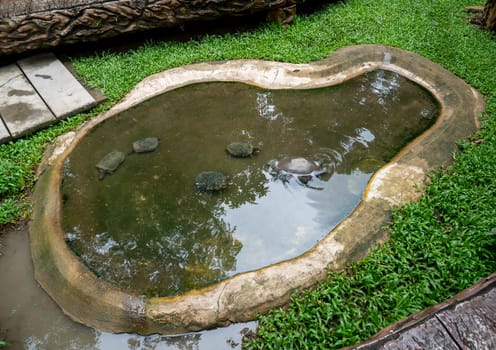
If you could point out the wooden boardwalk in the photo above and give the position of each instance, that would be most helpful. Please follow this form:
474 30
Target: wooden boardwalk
38 91
466 321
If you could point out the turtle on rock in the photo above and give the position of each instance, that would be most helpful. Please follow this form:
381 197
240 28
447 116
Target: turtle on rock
109 163
242 149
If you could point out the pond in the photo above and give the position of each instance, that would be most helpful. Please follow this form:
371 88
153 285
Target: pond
145 249
146 229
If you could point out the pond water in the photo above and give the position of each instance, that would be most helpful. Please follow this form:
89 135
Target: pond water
145 227
30 319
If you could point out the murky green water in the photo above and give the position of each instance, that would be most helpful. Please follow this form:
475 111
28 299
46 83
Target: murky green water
145 228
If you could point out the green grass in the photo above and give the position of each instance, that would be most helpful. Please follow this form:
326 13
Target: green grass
18 162
438 246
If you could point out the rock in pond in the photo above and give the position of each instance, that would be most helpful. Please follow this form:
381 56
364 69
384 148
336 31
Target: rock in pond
148 144
109 164
210 181
241 149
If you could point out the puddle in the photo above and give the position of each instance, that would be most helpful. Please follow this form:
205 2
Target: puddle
29 319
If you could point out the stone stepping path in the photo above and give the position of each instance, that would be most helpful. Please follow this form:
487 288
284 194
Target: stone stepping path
38 91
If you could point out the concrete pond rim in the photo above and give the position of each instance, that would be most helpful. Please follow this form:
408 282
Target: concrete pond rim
101 305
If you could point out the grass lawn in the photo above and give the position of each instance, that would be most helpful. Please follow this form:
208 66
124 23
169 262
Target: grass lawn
438 246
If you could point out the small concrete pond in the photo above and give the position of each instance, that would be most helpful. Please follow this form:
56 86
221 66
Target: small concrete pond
144 246
146 229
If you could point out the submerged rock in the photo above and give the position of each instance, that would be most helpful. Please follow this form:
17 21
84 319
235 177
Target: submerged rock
241 149
210 181
109 163
148 144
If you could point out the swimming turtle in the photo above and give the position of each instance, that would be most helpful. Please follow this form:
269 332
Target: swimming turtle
148 144
210 181
242 149
109 163
302 168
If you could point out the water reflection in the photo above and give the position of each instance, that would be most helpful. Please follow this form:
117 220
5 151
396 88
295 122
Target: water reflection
219 339
266 107
186 252
29 319
380 87
145 227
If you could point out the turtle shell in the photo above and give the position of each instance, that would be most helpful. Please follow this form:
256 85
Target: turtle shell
110 162
240 149
297 166
148 144
209 181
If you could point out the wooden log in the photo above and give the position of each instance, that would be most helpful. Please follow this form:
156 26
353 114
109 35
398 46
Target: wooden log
474 9
95 20
489 15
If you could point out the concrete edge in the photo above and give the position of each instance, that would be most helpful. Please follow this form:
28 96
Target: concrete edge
101 305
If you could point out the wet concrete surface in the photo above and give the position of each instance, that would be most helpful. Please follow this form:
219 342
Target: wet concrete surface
60 90
21 108
36 92
29 319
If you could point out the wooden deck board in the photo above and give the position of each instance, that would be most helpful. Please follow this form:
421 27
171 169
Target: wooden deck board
36 92
428 335
466 321
473 323
21 107
56 85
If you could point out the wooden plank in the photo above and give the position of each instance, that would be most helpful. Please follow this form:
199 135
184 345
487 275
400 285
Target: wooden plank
429 335
473 323
21 108
63 94
394 330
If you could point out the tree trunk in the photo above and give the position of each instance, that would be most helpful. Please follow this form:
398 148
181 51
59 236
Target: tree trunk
489 15
25 27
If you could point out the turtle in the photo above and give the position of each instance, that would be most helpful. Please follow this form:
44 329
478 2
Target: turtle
302 168
211 181
148 144
242 149
109 163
